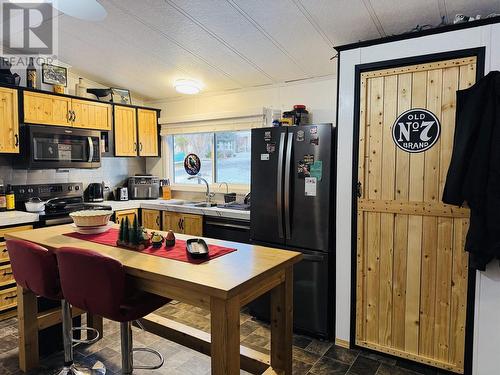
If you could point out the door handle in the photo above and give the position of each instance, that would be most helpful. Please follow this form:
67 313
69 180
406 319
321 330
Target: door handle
359 191
135 146
288 227
5 273
279 182
158 221
11 297
70 116
140 146
182 223
74 115
91 149
16 137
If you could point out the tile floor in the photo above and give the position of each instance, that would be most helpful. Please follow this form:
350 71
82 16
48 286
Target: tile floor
310 356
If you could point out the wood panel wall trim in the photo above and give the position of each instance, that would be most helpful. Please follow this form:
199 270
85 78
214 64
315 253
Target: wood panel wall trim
412 208
412 357
419 67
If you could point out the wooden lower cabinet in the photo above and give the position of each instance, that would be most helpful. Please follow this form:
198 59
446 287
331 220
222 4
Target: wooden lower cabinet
183 223
122 214
8 288
151 219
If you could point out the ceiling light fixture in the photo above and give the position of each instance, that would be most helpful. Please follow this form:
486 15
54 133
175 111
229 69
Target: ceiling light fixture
88 10
187 86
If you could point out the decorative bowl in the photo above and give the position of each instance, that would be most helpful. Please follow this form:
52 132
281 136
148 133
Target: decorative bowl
91 218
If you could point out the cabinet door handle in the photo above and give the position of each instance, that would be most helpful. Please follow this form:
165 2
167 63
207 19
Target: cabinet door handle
11 297
74 115
140 146
7 273
158 221
4 250
16 137
69 115
135 146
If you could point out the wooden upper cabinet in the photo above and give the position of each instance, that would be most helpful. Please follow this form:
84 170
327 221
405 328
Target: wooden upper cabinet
47 109
147 122
91 115
125 131
9 121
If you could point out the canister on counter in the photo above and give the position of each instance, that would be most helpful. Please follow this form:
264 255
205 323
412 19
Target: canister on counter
10 199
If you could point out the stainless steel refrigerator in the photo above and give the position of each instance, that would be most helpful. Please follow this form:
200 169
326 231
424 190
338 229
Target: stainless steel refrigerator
293 196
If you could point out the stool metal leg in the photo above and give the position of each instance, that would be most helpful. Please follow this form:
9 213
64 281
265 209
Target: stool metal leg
127 351
70 368
126 341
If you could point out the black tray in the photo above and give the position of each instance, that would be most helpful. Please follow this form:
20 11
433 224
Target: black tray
197 248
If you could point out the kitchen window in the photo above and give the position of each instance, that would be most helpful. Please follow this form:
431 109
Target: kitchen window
225 156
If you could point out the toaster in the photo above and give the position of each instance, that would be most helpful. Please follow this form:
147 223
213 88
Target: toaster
144 187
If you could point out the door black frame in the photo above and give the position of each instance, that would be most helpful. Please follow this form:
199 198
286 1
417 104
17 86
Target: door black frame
479 53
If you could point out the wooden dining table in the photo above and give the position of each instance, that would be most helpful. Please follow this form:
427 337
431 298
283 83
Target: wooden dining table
222 285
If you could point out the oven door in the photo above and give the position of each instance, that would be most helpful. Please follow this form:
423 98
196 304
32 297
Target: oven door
58 147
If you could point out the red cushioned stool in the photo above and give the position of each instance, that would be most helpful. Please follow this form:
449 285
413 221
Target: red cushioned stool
35 269
97 284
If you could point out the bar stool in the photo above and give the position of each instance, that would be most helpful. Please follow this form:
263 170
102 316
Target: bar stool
97 283
35 268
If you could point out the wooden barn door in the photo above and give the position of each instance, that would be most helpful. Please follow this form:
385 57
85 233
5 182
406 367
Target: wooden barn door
412 271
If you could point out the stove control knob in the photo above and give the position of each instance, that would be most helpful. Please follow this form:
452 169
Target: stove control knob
30 190
77 187
21 191
70 188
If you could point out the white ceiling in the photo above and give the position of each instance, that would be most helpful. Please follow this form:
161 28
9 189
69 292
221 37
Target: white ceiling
230 44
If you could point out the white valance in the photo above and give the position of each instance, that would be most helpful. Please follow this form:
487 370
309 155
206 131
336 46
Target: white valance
225 122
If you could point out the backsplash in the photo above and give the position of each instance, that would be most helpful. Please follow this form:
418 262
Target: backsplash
113 171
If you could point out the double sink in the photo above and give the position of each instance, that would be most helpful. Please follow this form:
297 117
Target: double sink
205 204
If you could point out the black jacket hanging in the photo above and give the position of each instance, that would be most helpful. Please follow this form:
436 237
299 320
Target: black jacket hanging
474 172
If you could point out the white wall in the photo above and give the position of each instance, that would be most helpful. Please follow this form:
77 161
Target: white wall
317 94
487 306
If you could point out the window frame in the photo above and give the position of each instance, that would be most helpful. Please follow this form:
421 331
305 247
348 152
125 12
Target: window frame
215 187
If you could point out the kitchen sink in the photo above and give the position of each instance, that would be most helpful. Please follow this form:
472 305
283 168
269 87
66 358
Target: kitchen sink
200 204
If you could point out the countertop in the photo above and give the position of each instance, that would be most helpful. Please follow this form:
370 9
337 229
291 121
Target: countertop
17 217
163 205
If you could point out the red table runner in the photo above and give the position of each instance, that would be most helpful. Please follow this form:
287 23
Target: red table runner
176 252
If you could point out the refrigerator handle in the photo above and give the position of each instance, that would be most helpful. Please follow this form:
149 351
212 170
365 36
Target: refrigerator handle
288 229
279 182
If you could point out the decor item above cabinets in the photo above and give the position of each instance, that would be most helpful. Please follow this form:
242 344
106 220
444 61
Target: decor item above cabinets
9 121
147 122
136 131
125 131
47 109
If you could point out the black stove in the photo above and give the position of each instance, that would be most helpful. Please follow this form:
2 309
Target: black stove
61 199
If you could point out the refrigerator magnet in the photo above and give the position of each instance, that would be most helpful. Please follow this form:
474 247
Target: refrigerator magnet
267 136
264 156
308 158
271 147
300 136
313 130
314 140
310 186
316 169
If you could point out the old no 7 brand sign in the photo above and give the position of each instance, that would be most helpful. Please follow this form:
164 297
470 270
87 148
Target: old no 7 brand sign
416 130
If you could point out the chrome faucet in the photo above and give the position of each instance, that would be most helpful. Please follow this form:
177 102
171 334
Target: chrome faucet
208 194
227 186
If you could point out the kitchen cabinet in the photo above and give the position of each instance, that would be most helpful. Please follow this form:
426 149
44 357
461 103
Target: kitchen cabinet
125 131
8 288
91 115
122 214
9 121
151 219
47 109
183 223
147 123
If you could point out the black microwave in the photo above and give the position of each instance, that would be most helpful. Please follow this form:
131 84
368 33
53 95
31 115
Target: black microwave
45 147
